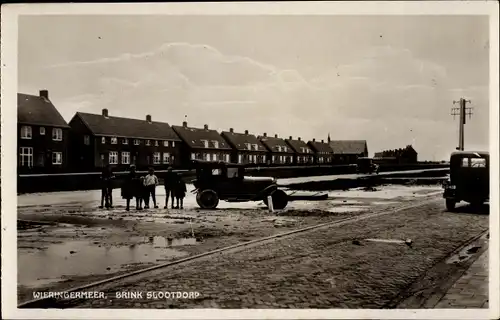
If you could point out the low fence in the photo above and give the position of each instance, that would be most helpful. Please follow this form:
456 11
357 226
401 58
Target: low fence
34 183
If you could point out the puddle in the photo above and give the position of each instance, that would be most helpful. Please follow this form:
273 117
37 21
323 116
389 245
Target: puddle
464 254
82 258
162 242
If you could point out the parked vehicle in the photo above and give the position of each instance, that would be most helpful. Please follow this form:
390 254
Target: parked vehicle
469 179
226 181
366 165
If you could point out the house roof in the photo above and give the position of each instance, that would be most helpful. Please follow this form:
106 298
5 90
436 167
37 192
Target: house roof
348 146
193 137
238 140
38 110
298 145
318 146
127 127
272 144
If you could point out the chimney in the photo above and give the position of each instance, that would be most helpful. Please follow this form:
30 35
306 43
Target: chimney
246 131
105 113
44 94
184 124
291 138
265 134
322 141
205 127
231 130
314 140
275 135
148 118
298 138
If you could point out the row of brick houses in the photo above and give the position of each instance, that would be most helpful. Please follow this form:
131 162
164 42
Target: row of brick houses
401 155
47 143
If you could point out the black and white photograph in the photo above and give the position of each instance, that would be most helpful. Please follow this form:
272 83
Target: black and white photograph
250 160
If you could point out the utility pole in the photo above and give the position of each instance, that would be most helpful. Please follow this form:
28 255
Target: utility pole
462 111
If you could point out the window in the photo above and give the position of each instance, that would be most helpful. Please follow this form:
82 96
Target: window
114 140
248 146
165 143
26 157
148 143
205 143
125 157
156 143
86 140
42 131
279 148
103 140
273 158
206 156
263 159
173 143
56 157
474 162
125 141
232 172
57 134
156 158
239 158
193 156
256 147
26 132
214 157
216 144
113 157
166 157
285 148
226 156
137 142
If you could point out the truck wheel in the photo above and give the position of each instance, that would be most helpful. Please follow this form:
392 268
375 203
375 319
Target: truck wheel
207 199
450 204
280 199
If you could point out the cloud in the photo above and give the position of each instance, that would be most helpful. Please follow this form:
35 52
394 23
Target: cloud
388 97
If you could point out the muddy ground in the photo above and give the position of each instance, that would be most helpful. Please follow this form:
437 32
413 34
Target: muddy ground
64 240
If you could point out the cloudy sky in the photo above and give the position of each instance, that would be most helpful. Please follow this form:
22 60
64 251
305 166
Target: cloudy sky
389 80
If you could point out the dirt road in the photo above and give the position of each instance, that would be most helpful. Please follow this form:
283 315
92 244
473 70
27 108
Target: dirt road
55 257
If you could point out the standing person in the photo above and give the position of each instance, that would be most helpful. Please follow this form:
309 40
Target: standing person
150 182
107 188
131 188
170 182
180 193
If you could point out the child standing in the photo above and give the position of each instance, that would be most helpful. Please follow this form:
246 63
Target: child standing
170 181
150 183
107 188
180 193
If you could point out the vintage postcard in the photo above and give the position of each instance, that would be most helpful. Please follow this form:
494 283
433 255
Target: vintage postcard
250 160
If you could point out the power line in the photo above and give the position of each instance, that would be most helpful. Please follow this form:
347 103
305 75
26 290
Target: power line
462 111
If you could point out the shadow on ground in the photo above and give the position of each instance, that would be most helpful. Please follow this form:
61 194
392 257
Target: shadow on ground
470 209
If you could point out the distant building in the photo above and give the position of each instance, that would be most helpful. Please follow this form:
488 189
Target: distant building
279 152
348 151
202 144
303 153
100 139
323 153
246 147
42 138
402 155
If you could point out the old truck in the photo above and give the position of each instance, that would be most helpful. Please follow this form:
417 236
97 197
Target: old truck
218 180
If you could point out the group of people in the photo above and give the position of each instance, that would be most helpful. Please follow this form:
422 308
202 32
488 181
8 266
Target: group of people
142 188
